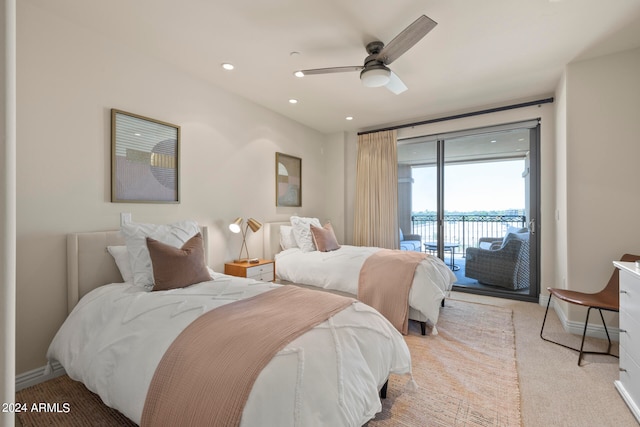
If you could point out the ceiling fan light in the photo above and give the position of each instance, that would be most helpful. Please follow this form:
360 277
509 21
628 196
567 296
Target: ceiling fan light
375 77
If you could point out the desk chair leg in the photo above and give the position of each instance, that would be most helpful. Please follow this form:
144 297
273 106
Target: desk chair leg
545 320
584 334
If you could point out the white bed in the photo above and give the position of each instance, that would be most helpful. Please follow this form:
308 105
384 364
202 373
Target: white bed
339 271
116 334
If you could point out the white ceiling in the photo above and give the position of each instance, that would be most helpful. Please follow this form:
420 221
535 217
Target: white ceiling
481 53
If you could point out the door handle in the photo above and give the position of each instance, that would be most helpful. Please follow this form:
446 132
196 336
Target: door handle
532 226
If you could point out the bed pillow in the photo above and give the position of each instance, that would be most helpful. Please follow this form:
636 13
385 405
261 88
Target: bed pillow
287 241
324 238
121 257
177 267
135 234
302 233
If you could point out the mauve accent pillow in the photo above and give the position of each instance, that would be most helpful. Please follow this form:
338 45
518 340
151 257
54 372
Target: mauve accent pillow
177 267
324 238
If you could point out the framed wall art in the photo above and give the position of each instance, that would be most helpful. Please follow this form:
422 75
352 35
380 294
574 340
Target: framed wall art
288 180
144 159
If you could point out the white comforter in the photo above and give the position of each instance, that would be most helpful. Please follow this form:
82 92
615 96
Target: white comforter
339 270
116 335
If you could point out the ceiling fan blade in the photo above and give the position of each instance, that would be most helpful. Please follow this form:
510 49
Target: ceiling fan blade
331 70
395 85
406 39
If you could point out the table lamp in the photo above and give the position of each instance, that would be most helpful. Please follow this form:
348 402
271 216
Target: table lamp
236 227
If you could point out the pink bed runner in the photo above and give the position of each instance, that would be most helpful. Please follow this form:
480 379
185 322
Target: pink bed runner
207 373
385 281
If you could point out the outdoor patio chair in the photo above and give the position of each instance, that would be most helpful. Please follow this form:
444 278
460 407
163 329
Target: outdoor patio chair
504 263
410 242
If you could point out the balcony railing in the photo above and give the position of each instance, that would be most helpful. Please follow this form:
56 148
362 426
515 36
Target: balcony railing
465 230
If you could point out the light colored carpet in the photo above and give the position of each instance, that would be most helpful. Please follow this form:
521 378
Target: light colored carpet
466 374
555 391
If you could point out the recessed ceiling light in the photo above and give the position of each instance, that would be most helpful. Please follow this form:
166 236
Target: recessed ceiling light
298 74
348 118
227 66
493 141
293 101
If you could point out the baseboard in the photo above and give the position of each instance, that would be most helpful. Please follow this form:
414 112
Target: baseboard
577 328
543 299
38 375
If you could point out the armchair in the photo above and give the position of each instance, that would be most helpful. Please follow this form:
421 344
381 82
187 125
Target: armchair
410 242
504 263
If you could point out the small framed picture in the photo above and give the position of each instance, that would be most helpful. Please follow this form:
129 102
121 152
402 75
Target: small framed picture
288 180
144 159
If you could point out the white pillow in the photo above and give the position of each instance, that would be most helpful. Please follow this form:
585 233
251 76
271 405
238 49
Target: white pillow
120 255
302 232
287 241
136 234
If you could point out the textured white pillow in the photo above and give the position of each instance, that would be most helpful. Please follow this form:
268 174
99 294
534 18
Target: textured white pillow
287 241
136 234
120 255
302 233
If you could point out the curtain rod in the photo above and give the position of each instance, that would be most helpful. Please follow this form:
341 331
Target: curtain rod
463 115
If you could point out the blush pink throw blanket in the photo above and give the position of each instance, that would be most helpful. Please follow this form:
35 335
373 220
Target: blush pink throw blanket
385 281
206 375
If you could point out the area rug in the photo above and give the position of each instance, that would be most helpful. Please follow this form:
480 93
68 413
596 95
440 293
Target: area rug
70 404
466 376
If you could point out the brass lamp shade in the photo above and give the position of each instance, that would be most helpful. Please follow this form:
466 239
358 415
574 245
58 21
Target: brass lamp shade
236 225
253 224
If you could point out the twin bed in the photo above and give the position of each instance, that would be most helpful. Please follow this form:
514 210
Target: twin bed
339 270
119 333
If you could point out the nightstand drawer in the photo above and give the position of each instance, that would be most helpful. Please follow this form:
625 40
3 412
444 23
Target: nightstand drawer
262 272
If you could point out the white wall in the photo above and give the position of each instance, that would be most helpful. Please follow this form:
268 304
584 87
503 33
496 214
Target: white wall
334 183
69 79
602 173
7 206
561 239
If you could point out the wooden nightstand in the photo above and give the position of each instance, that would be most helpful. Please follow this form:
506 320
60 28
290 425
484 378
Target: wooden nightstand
264 270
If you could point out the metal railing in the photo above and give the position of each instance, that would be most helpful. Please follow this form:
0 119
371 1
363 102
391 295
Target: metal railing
465 229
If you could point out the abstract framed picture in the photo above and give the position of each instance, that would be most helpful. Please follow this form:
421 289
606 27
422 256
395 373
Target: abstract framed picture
144 159
288 180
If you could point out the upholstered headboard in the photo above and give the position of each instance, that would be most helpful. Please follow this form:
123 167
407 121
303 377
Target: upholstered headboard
90 265
271 236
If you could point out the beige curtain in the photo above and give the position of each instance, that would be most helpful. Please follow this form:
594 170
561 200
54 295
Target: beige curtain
376 207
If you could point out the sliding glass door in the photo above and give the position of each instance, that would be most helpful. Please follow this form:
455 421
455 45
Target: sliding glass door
472 197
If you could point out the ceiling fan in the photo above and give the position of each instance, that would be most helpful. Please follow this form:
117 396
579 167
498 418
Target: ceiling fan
374 72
